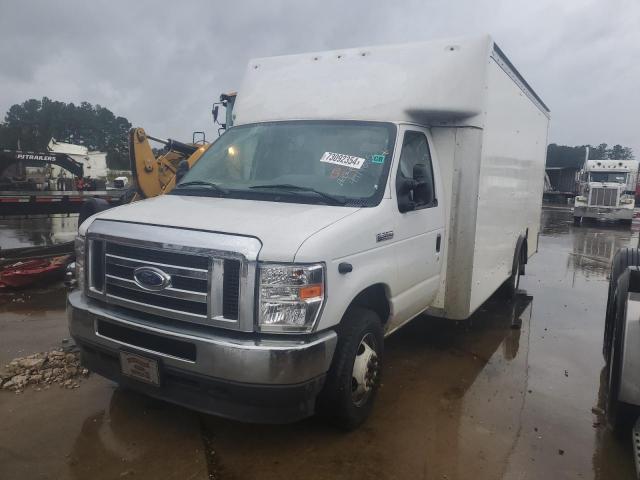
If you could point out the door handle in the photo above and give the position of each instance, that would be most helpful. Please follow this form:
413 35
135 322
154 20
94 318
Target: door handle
438 242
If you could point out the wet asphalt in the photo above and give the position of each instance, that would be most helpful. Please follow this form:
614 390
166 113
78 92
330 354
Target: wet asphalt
506 395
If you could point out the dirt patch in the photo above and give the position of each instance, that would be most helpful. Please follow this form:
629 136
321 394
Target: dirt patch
41 370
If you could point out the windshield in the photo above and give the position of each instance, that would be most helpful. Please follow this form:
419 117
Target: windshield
331 162
608 177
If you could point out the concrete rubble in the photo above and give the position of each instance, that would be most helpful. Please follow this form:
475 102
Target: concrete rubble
41 370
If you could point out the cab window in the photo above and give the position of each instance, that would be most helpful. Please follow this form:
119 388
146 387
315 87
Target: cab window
415 164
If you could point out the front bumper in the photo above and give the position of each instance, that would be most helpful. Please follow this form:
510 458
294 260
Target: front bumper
605 213
256 379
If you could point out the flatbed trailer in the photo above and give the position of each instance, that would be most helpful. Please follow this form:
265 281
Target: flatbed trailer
52 202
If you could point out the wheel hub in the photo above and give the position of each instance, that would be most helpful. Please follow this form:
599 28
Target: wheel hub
365 371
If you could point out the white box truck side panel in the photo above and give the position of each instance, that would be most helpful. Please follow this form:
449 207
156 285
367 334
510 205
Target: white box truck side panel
458 153
511 181
443 151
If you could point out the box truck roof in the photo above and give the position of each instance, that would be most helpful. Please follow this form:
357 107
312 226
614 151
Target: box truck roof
435 82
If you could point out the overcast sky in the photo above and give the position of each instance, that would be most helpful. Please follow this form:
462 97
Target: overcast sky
161 66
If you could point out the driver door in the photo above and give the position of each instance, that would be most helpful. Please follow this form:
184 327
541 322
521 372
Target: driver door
419 231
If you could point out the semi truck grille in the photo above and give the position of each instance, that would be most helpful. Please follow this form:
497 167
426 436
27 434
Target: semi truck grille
195 288
605 197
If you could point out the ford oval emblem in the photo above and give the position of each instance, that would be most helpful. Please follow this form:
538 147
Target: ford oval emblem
151 278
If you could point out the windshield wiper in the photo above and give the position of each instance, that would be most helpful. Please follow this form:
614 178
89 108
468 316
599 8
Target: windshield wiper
202 183
288 186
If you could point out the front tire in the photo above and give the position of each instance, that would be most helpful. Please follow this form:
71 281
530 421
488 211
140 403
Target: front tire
354 376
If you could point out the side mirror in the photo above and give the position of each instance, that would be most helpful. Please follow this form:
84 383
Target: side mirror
183 168
404 188
414 192
423 189
420 172
215 113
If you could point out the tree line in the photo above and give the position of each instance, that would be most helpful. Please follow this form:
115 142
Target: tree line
567 156
29 126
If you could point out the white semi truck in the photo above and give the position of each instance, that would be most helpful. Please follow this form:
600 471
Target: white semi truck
607 190
357 190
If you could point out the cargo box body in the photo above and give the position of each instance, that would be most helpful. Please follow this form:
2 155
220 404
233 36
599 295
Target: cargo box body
489 133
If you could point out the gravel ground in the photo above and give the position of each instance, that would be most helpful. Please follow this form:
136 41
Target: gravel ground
42 370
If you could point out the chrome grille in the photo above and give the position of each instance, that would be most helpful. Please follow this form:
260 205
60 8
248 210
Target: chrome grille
605 197
212 275
189 295
191 272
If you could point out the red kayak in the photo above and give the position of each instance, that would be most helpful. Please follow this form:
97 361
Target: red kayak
28 272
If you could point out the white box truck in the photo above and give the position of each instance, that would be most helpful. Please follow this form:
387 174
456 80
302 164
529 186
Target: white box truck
357 189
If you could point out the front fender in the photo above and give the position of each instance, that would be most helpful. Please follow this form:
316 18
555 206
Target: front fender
353 239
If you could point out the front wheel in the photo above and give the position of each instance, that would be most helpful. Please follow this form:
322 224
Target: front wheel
354 376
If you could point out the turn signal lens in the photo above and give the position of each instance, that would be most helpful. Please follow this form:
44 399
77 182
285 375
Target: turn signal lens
310 291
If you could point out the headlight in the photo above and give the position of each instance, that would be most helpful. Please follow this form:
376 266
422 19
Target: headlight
290 297
79 246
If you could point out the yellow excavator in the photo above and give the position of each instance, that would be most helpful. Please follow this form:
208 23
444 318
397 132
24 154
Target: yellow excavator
154 172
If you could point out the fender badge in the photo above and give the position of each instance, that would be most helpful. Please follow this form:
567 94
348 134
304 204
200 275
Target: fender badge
381 237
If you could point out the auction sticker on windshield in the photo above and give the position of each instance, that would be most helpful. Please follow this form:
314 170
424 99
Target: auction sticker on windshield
342 159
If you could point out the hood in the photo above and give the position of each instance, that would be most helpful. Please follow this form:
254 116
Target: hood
281 227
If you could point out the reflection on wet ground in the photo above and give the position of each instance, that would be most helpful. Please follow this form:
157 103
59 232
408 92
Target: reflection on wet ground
31 321
507 395
97 432
37 230
450 406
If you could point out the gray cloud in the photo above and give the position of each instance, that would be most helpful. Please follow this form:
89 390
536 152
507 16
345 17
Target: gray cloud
161 65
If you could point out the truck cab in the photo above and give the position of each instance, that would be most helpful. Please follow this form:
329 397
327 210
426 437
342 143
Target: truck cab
607 190
357 190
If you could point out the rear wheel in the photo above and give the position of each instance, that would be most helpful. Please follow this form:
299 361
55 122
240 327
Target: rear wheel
354 377
513 282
